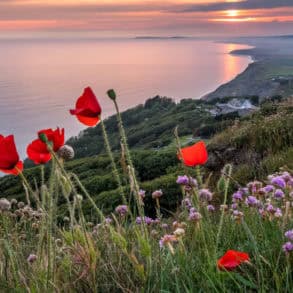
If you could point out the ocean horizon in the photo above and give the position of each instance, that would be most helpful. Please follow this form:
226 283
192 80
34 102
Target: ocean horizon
41 79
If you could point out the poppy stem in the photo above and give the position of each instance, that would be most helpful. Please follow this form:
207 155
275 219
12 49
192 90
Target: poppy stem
198 176
186 170
114 168
122 134
129 160
99 212
50 216
27 185
158 209
227 170
61 167
178 144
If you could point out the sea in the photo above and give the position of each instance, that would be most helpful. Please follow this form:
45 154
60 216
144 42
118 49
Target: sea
40 79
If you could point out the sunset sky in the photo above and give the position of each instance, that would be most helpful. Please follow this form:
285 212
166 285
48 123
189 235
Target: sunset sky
147 17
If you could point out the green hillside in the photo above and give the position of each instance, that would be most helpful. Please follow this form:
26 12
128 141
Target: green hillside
257 144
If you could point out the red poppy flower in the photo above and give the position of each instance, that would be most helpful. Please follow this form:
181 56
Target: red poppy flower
54 136
87 108
232 259
9 158
38 152
194 155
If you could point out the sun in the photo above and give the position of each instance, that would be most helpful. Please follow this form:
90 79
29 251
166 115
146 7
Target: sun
232 13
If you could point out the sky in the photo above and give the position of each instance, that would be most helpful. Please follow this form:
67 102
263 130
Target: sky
108 18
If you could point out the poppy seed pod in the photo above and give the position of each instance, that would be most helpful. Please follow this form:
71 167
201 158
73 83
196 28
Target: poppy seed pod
66 152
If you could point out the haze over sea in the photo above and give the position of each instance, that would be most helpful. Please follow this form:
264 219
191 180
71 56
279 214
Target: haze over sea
41 79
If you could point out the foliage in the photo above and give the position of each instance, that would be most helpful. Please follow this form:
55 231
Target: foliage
148 229
122 256
261 143
148 126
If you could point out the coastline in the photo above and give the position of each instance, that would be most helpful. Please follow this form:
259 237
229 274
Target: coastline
269 74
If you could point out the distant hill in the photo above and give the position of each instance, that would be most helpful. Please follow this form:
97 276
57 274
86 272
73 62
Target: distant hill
160 38
286 36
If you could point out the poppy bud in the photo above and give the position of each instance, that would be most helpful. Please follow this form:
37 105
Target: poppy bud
111 94
43 137
221 185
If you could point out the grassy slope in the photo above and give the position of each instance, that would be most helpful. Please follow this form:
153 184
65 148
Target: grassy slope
151 126
257 145
147 126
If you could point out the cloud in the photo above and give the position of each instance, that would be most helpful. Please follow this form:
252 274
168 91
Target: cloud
180 16
12 10
245 5
29 9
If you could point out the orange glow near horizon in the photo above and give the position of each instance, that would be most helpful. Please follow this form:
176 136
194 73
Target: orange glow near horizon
232 13
173 16
246 19
113 2
26 24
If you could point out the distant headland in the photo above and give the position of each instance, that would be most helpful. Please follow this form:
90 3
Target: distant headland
270 74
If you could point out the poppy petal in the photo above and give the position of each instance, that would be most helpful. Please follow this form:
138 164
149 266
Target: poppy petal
232 259
18 168
194 155
9 158
37 152
89 101
88 109
57 137
88 121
